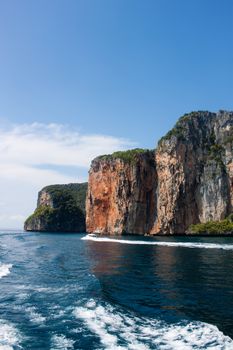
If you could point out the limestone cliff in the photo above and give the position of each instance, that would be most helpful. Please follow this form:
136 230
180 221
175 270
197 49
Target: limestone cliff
187 180
193 162
60 208
121 193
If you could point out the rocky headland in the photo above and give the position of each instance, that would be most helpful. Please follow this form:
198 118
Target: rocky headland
186 180
184 186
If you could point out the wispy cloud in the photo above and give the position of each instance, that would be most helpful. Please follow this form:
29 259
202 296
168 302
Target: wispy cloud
36 144
29 153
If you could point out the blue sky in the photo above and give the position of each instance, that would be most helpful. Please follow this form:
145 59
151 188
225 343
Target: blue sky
115 72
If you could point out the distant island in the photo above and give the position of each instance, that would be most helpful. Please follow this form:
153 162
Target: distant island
60 208
184 186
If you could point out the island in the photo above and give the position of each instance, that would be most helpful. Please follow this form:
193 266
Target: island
60 208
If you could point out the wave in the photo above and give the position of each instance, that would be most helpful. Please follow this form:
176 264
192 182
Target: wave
117 330
60 342
164 244
5 269
9 337
34 315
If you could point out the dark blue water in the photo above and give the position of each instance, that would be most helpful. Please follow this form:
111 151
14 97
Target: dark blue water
58 291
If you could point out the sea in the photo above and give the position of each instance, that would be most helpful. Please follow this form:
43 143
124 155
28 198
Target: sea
74 291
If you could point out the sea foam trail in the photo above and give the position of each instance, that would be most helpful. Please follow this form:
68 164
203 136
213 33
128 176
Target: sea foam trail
118 330
5 269
163 244
9 337
60 342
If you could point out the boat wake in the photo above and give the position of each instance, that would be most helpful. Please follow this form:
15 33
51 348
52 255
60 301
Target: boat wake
164 244
119 330
60 342
9 337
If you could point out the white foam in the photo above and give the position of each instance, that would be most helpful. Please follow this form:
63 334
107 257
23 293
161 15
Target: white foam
5 269
118 331
9 336
164 244
35 316
60 342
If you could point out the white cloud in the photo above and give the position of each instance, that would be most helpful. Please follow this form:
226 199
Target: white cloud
37 144
30 152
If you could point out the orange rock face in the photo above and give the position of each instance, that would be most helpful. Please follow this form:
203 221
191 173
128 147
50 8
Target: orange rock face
121 196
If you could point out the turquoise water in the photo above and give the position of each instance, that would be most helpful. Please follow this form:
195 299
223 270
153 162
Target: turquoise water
64 291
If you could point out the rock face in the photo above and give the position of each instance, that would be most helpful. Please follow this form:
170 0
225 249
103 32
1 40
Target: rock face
188 179
192 169
60 208
121 194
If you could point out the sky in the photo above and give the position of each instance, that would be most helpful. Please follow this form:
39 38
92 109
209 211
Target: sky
79 78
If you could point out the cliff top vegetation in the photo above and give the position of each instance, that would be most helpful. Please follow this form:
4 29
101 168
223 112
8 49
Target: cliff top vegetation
179 128
129 156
